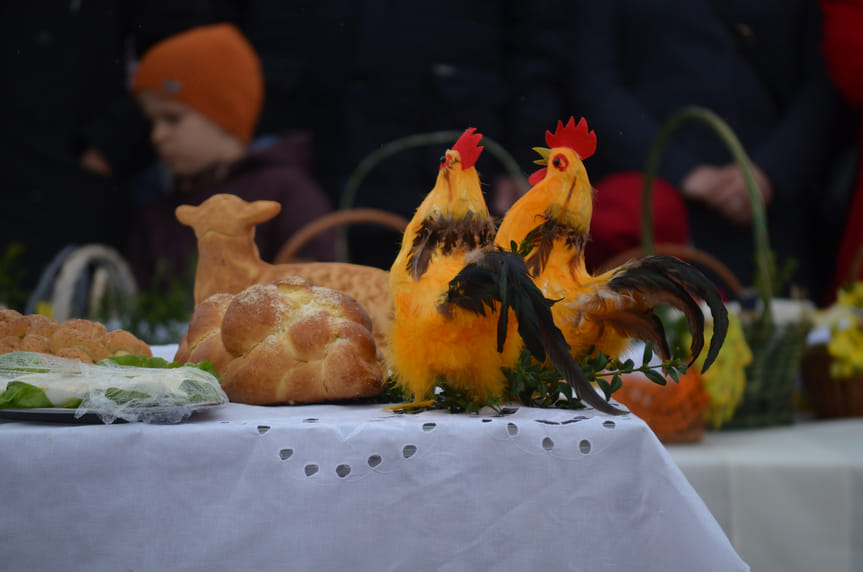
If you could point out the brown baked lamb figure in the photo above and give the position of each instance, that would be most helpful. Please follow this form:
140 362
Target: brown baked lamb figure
229 261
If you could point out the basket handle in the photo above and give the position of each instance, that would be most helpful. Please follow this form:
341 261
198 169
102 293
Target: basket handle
335 219
370 161
759 223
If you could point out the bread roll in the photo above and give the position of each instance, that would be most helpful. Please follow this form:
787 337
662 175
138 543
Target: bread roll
366 284
77 338
291 342
8 314
203 339
121 343
229 261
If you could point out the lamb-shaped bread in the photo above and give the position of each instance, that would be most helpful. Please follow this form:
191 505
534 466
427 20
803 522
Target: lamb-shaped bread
229 261
288 341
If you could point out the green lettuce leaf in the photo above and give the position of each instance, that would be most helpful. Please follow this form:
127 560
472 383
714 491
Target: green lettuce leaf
21 395
121 396
15 363
200 392
157 362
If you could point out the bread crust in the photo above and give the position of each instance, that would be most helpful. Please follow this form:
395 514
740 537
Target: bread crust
76 338
289 342
203 339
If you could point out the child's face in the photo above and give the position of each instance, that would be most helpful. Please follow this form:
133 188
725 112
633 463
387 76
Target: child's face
186 140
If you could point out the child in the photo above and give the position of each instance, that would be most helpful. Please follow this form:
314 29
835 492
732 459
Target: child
202 91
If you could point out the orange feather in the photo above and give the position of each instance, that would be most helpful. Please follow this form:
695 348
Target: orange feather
604 311
425 347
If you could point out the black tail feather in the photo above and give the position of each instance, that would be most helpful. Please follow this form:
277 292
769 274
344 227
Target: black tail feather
502 277
668 280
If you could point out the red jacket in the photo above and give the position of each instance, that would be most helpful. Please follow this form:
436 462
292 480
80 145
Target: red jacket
843 54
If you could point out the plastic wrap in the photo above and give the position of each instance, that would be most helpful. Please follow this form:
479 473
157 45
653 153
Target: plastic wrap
112 391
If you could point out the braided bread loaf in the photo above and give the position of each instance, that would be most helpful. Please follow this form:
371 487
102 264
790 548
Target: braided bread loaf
287 341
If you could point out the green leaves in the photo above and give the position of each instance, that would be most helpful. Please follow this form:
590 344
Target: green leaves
526 245
121 396
392 393
455 400
654 376
159 313
608 388
139 361
199 392
648 353
540 385
158 363
13 294
21 395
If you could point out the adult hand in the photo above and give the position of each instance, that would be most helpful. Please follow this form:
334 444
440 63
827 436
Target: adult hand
93 161
724 190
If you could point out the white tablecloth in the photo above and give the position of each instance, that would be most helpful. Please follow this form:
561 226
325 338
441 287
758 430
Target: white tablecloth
789 498
352 488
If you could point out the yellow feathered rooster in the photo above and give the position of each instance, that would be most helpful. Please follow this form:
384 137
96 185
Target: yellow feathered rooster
459 301
604 311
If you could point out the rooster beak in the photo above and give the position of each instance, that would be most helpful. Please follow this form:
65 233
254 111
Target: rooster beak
447 160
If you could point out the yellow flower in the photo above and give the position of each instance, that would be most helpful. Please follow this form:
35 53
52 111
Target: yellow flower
846 349
845 319
726 378
851 296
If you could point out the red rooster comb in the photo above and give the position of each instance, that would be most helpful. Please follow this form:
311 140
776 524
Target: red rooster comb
468 147
576 137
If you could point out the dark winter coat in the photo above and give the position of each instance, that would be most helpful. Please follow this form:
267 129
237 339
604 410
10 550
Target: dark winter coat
277 172
756 64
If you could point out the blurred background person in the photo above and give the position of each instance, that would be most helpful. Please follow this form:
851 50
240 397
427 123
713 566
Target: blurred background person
757 65
72 139
398 69
202 91
843 51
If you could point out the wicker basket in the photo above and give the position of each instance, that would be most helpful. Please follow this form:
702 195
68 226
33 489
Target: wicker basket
830 397
287 253
777 347
675 411
777 351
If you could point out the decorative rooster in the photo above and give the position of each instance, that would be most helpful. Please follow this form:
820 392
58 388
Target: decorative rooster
600 312
450 225
462 307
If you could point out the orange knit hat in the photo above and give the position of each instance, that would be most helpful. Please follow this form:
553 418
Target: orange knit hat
213 69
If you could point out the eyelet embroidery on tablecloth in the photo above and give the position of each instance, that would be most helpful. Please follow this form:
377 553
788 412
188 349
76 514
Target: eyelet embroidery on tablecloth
345 471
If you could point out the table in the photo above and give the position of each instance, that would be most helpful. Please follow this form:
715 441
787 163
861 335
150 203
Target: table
352 487
789 498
